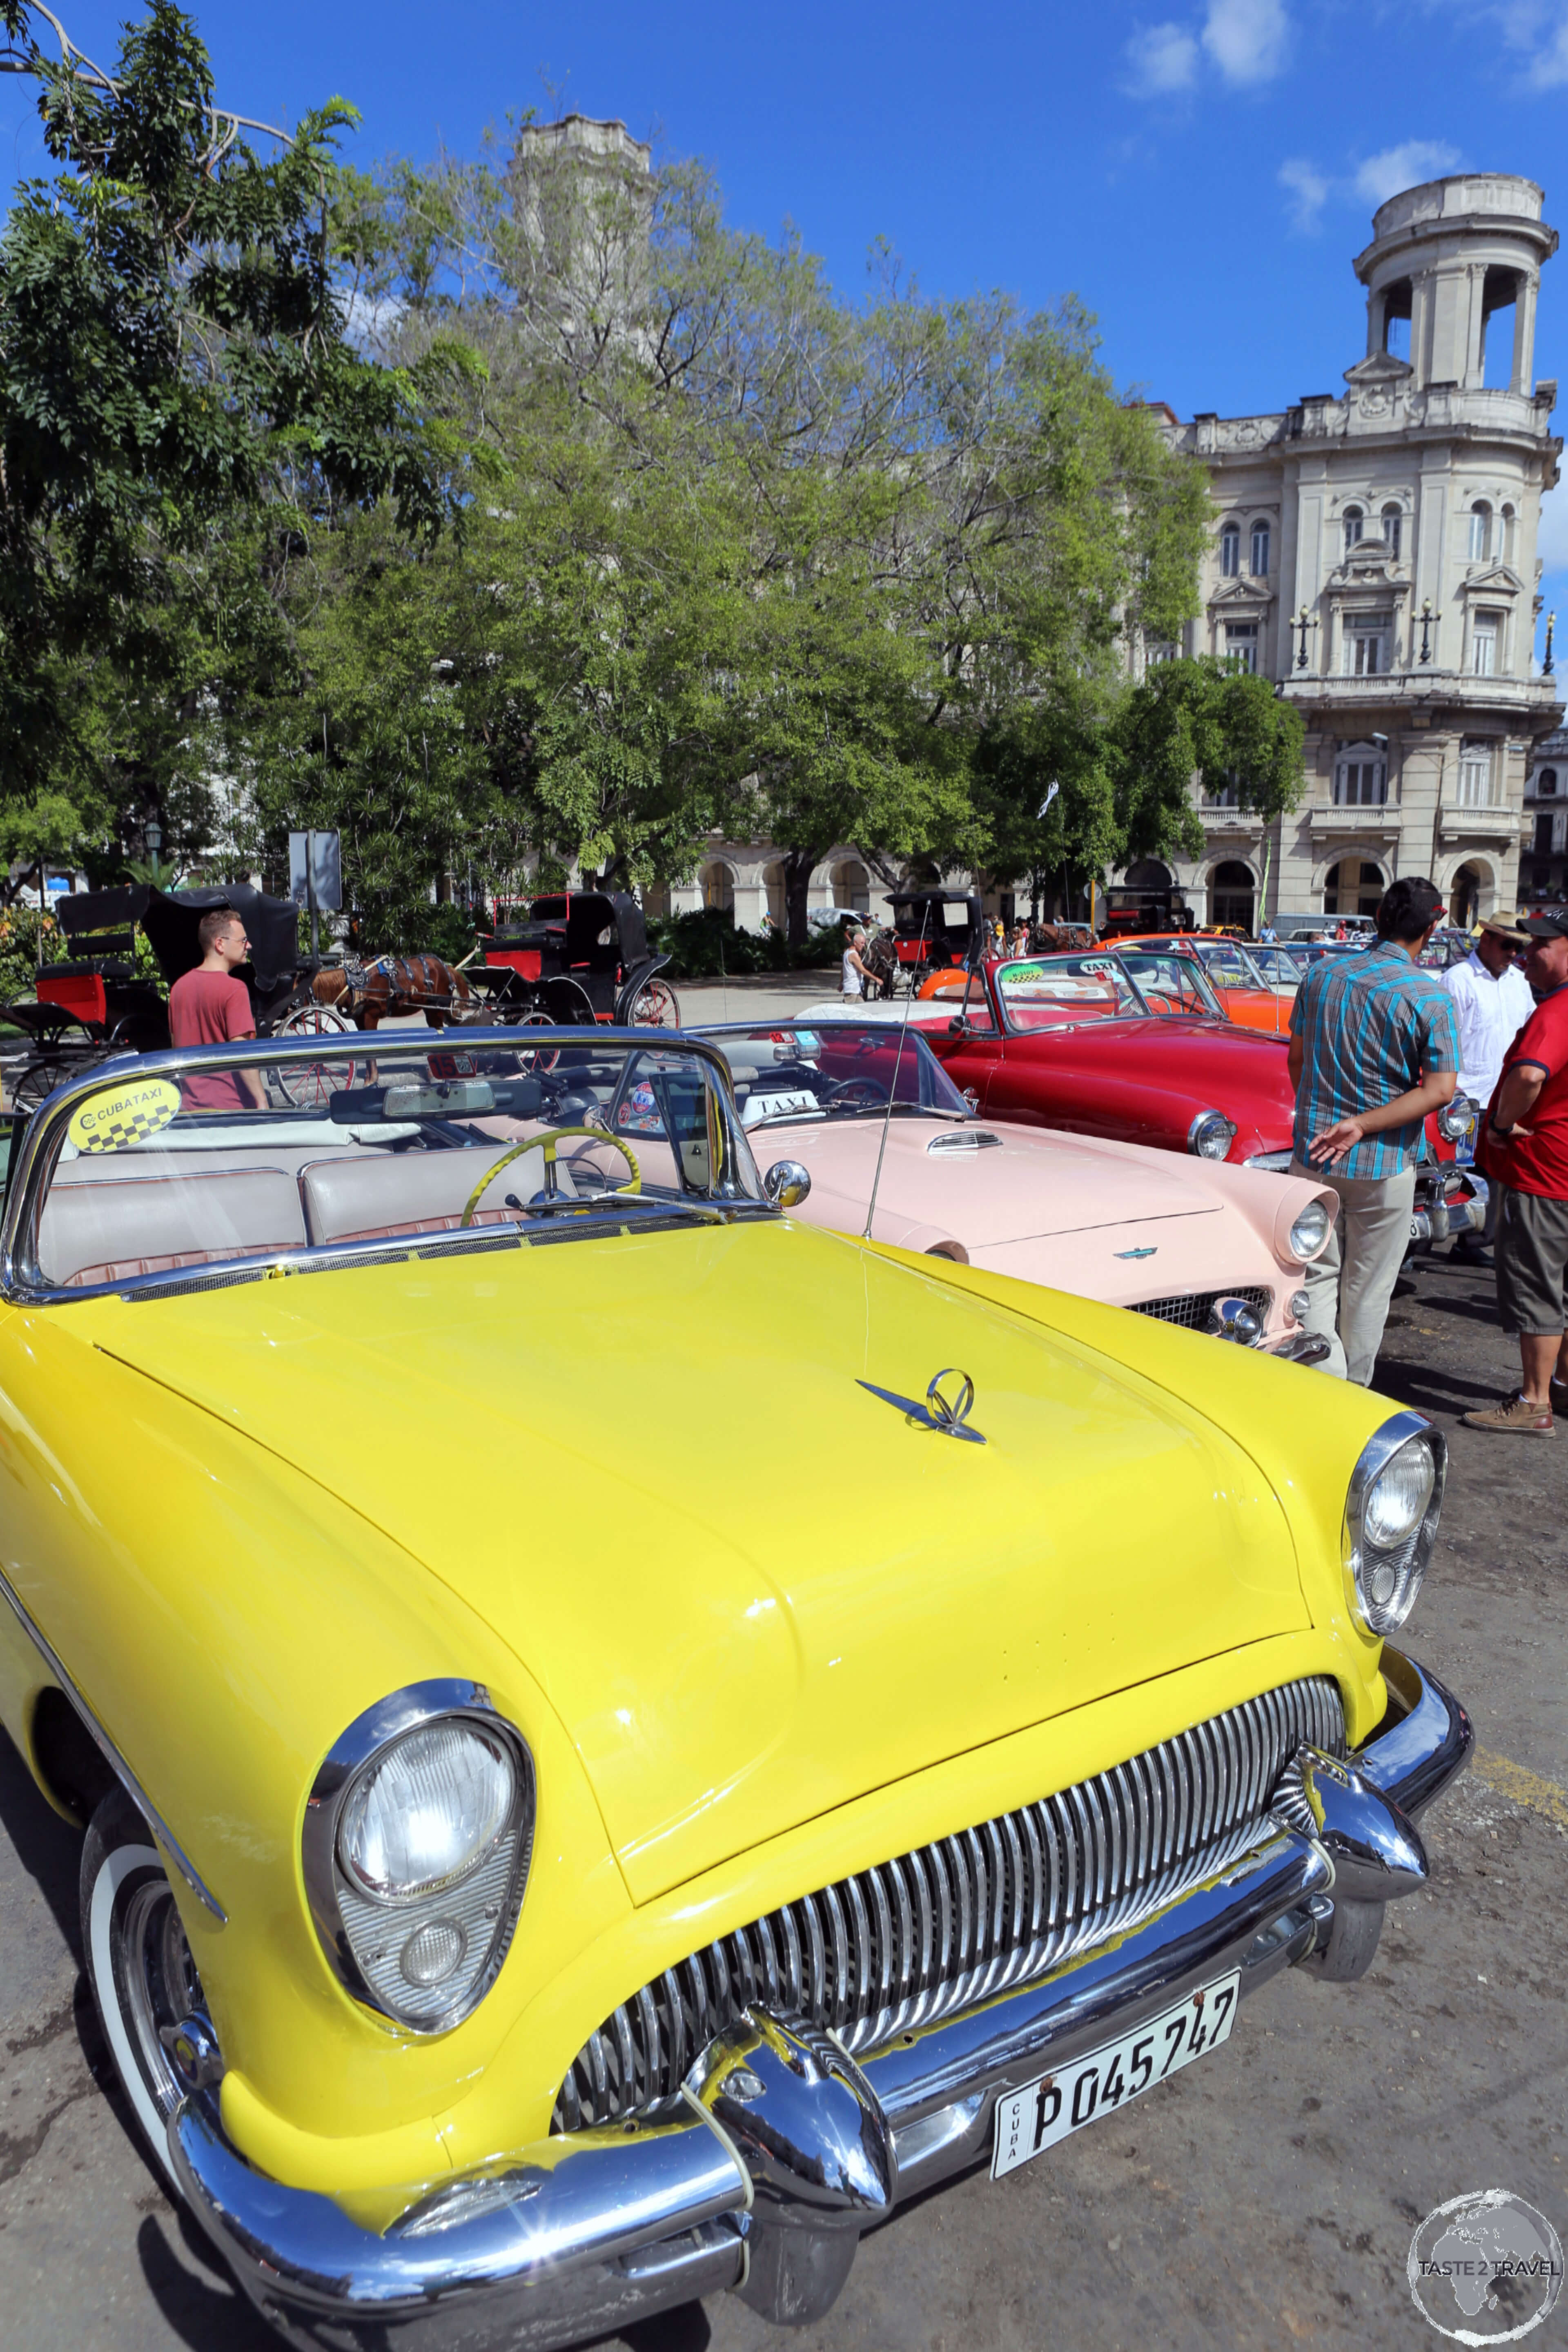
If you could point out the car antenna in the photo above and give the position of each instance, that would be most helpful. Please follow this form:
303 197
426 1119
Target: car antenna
898 1062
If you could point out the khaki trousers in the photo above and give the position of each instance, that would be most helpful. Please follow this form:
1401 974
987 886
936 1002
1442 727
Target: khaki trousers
1348 1288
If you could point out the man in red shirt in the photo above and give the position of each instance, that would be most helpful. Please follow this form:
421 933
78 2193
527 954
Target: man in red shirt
1523 1150
208 1006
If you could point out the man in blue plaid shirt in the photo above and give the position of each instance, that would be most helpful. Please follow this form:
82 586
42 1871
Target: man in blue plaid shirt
1374 1049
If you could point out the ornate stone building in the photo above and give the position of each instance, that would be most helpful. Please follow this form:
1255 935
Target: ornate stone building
1376 554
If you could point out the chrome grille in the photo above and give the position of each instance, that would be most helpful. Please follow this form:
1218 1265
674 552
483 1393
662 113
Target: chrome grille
1193 1310
934 1931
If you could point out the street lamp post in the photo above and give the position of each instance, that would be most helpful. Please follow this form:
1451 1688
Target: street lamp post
153 834
1303 623
1429 620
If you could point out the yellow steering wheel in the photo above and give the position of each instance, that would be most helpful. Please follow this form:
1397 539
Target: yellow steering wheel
549 1138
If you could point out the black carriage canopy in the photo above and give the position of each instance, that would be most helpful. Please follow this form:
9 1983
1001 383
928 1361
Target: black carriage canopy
579 920
918 910
171 918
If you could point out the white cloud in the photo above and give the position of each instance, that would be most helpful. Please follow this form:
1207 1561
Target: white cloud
1536 30
1247 39
1405 166
1160 58
1308 188
1370 182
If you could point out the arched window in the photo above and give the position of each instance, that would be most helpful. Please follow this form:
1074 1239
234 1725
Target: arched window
1508 523
1392 520
1353 886
1259 551
1354 517
1546 783
1230 890
718 883
1480 530
1230 550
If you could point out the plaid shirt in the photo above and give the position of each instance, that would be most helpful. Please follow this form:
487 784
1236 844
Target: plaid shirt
1372 1026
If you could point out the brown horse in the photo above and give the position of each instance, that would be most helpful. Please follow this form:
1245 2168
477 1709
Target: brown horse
393 986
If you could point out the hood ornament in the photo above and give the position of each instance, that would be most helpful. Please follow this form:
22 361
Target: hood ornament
948 1415
1151 1251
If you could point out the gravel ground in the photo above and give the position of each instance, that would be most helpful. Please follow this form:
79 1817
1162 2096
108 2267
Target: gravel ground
1264 2198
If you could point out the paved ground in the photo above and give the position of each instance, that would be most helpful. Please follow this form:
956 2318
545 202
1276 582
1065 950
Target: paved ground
1264 2198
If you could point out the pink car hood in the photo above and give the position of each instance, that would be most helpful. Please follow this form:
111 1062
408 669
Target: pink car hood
1108 1220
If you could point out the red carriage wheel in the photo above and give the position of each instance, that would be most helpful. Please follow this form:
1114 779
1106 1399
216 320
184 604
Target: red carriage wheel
656 1007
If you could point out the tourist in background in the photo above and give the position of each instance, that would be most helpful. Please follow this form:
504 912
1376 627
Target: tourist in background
1524 1153
1373 1049
1492 1001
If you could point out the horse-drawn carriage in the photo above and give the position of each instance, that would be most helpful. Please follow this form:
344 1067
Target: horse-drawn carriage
579 957
576 956
94 1003
932 932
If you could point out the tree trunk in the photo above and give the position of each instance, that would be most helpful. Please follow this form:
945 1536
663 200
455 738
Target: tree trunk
798 865
443 889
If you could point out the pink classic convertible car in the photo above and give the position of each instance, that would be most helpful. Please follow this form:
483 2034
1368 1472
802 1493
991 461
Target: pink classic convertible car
1192 1240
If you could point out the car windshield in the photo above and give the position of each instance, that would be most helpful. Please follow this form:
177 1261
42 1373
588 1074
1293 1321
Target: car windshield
1280 967
178 1164
1226 962
789 1071
1062 991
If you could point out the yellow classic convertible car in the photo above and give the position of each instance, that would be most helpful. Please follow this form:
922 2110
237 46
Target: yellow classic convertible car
544 1862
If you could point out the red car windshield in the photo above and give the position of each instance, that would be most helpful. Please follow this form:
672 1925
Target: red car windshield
1065 992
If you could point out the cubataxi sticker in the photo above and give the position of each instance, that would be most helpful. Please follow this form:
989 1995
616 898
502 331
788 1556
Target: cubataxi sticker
123 1115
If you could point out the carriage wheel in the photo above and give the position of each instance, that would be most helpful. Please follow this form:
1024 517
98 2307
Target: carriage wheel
309 1086
656 1007
535 1058
39 1079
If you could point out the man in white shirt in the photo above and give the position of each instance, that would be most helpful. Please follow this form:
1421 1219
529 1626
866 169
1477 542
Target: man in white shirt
1492 1001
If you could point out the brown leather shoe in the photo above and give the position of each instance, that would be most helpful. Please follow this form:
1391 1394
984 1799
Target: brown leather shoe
1515 1412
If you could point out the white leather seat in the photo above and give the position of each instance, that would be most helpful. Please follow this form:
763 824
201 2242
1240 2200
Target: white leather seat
106 1231
373 1195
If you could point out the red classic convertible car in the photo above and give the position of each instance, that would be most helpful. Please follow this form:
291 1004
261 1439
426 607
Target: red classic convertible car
1132 1045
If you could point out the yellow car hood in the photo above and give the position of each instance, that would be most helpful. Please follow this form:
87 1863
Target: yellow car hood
753 1588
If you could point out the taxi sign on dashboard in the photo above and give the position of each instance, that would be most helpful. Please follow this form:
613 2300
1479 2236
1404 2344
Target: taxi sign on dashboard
123 1115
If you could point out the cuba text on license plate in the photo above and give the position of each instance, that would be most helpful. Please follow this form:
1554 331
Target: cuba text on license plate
1035 2118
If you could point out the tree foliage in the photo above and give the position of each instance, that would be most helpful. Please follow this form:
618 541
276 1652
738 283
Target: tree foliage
178 401
728 551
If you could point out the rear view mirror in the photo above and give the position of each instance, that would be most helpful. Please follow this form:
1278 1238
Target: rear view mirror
441 1099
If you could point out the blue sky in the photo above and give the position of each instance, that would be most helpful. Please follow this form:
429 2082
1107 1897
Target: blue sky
1198 171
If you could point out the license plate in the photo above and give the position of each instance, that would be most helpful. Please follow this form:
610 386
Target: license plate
1035 2118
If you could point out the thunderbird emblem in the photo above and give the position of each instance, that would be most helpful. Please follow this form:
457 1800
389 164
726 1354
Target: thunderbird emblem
948 1416
1152 1251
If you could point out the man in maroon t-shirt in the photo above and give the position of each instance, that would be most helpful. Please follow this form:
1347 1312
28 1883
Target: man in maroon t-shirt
1523 1150
208 1006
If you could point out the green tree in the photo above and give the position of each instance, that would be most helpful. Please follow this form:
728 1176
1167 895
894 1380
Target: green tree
1207 719
179 402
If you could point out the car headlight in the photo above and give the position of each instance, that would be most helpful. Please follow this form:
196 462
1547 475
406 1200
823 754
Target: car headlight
1311 1230
1211 1135
1391 1510
418 1839
1458 1118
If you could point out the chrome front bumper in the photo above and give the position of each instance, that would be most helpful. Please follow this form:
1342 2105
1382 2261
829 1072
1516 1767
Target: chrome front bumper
1437 1218
1299 1347
793 2148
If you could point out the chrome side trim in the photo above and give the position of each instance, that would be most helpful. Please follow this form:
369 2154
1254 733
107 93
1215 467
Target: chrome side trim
116 1761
